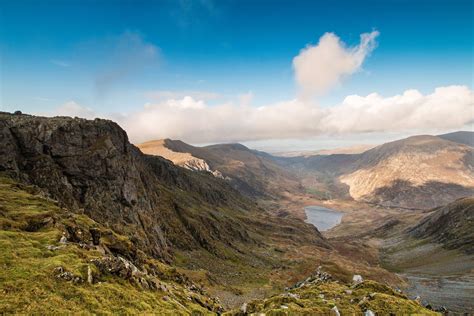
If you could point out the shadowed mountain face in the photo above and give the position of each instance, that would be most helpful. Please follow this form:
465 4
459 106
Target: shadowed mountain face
451 225
250 172
89 166
436 254
416 172
461 137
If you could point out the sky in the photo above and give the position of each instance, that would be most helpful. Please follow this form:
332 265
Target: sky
275 75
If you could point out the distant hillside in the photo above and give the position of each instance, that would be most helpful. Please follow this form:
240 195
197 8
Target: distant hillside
416 172
451 225
436 254
356 149
250 172
462 137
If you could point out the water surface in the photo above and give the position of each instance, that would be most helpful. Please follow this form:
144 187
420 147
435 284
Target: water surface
321 217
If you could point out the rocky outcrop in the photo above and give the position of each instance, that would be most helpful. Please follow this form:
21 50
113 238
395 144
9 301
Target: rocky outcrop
90 166
185 159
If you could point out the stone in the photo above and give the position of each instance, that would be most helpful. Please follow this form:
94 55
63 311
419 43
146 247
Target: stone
293 295
369 313
90 278
336 311
63 240
58 270
357 278
348 292
284 307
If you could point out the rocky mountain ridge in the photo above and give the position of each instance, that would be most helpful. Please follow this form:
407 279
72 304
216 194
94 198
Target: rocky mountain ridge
248 171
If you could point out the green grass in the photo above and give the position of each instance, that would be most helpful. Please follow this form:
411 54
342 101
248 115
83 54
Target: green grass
28 224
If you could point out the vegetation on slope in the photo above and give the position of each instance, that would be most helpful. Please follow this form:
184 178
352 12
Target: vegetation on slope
41 275
451 225
319 295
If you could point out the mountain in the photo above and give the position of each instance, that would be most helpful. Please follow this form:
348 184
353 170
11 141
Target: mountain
248 171
416 172
90 223
451 225
189 219
461 137
356 149
90 166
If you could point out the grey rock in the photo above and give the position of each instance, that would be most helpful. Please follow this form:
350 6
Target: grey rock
357 278
90 278
369 313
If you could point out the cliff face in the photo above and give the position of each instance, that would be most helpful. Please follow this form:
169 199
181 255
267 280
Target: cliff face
90 166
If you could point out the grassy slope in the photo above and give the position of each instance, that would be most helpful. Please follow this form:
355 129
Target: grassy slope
28 224
320 298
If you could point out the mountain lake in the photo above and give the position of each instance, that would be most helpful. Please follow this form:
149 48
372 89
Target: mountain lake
321 217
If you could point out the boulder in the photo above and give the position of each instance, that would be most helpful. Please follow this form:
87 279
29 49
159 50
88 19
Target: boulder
357 278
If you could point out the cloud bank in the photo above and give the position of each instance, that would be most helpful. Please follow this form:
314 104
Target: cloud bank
320 67
195 121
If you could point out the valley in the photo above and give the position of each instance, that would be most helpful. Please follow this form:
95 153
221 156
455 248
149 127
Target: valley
223 226
372 223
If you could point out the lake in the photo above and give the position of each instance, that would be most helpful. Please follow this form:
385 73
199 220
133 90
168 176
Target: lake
321 217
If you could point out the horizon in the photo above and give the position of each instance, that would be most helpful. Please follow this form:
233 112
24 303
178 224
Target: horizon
276 78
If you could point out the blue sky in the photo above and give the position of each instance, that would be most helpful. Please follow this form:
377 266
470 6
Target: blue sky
91 52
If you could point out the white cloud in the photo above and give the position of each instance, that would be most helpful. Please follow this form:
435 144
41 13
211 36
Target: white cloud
195 121
246 98
320 67
445 108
